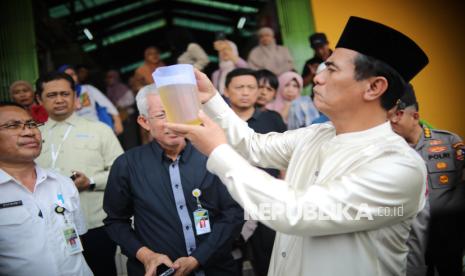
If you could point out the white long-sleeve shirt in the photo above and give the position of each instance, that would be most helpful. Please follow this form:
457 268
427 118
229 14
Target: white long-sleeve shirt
369 173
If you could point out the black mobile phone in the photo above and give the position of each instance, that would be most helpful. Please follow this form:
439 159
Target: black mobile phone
73 176
168 272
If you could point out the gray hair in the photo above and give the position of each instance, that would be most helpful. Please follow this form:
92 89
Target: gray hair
141 98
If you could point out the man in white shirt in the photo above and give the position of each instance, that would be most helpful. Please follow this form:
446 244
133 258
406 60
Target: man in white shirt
84 149
40 215
353 186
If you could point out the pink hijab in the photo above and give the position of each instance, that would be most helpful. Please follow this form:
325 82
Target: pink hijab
284 78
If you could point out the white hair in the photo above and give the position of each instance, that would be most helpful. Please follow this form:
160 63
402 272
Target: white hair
141 98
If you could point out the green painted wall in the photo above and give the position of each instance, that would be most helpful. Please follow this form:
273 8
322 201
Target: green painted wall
296 24
18 57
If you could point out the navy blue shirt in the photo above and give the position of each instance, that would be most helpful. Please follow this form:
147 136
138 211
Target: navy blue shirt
139 185
264 121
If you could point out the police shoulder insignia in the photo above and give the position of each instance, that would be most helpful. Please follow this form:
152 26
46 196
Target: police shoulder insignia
459 150
459 153
458 145
427 132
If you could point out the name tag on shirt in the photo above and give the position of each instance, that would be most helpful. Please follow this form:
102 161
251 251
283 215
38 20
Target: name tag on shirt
11 204
82 136
72 240
202 222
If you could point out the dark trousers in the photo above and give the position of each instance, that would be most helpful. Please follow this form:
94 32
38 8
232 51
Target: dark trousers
99 252
446 246
262 242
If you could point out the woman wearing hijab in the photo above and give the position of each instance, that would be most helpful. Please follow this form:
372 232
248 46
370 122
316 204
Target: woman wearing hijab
296 110
269 55
228 60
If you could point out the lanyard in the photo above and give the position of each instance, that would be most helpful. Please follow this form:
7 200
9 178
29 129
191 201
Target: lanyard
57 152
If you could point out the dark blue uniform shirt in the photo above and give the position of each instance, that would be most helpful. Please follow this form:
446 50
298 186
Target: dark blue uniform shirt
139 185
265 121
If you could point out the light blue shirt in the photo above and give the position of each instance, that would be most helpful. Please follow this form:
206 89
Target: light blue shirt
181 207
302 113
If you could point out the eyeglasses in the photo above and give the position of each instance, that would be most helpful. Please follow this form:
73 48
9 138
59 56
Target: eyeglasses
21 125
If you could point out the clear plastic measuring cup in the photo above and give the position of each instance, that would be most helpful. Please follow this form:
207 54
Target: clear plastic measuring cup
178 92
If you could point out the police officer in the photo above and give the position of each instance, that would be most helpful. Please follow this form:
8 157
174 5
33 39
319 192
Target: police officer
320 46
443 153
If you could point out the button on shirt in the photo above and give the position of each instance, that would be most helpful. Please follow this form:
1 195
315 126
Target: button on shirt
89 147
144 183
31 232
183 213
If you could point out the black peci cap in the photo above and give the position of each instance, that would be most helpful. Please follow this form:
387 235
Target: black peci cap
408 98
384 43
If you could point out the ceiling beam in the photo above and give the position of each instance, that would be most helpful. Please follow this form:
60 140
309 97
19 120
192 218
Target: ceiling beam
105 23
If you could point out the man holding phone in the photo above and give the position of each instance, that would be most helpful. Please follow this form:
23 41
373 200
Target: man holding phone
183 216
85 150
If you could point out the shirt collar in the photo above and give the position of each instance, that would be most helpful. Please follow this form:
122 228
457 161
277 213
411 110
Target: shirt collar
71 120
380 130
4 177
160 153
40 173
257 112
43 174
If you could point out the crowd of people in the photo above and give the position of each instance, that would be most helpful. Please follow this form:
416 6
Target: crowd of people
83 171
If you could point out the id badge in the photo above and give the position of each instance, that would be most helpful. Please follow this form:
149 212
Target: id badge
202 222
72 240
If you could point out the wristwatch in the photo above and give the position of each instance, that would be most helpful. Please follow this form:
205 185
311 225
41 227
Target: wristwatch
91 185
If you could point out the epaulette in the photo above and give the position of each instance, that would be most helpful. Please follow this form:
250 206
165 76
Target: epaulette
427 132
443 132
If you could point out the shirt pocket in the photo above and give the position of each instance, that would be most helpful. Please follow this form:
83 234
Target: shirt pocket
442 180
88 143
14 224
441 168
13 215
88 148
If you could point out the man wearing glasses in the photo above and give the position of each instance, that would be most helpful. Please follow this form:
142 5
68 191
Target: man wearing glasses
40 215
438 229
84 150
184 218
